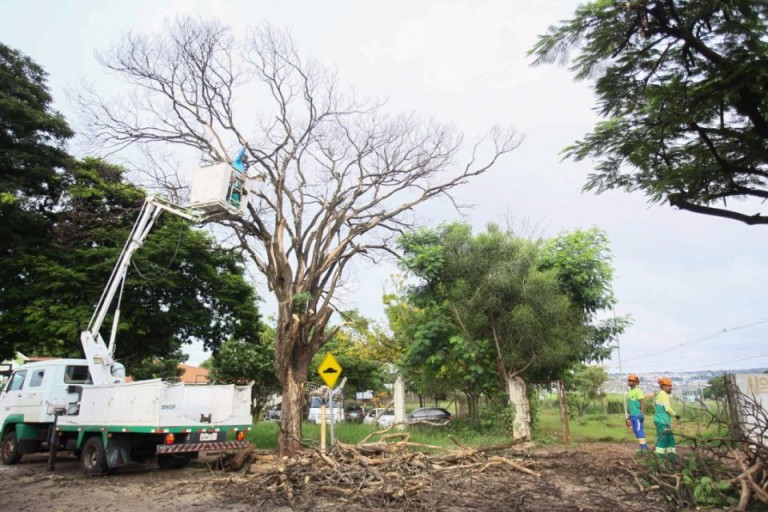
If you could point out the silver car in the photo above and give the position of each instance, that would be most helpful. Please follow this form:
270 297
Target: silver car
383 418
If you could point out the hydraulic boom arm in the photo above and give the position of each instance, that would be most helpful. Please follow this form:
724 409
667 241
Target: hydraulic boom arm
104 369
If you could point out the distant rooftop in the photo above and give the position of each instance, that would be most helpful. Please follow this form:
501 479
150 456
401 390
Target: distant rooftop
194 374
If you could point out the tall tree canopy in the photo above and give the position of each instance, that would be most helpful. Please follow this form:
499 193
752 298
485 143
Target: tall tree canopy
493 286
32 138
32 145
182 287
338 175
523 306
682 85
583 262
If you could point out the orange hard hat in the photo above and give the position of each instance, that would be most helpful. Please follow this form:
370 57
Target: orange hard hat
633 378
665 381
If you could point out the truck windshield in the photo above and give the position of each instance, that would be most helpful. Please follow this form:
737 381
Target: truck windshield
17 380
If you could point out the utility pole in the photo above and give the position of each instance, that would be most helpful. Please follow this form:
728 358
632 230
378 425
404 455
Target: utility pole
621 372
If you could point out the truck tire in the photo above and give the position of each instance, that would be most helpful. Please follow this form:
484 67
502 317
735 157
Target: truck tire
173 461
10 448
94 457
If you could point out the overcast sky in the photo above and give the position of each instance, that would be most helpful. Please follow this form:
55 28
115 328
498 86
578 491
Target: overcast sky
694 285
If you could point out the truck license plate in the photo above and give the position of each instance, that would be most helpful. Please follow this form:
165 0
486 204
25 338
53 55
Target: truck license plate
208 436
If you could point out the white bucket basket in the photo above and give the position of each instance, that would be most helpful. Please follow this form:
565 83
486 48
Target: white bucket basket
219 188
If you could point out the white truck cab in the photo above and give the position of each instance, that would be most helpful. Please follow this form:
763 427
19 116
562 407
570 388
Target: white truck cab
29 401
33 386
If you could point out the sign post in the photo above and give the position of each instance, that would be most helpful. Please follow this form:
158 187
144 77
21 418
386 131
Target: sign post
329 370
322 427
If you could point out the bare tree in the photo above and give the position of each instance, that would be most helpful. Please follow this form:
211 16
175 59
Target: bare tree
338 176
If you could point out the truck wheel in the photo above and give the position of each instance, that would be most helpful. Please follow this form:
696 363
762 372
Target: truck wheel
173 461
94 457
10 449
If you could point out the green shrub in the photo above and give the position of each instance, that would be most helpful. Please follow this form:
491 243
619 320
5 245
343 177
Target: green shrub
700 485
648 407
615 407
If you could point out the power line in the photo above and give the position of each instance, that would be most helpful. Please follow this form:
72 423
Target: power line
724 362
699 340
705 366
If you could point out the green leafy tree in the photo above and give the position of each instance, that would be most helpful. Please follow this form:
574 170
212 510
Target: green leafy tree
423 333
582 260
493 293
349 347
437 357
182 287
240 361
681 85
715 388
62 225
370 340
32 142
586 386
32 145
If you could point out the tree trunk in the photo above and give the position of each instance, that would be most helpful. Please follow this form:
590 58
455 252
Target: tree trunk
519 399
473 407
292 409
292 358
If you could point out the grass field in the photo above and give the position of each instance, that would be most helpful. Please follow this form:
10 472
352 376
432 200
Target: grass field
589 428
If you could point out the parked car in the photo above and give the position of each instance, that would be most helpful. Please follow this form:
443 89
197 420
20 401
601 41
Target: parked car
354 412
315 410
273 413
429 414
380 417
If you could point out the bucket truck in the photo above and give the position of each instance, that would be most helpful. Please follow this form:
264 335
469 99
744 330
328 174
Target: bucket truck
88 406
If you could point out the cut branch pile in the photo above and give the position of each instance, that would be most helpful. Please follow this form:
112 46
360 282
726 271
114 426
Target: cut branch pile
381 473
753 482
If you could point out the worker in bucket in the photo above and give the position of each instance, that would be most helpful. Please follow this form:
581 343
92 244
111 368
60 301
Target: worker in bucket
665 442
635 410
235 191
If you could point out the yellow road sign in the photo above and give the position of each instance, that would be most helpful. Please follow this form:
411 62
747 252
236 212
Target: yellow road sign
329 370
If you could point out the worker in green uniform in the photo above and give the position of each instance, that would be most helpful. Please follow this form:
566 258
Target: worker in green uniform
662 417
635 411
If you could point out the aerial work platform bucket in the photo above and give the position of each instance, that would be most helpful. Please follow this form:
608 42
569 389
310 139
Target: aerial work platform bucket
219 188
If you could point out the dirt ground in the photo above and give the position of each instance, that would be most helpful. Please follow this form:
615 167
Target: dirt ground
596 477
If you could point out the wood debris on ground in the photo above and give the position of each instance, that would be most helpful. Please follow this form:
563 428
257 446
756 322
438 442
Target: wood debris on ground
383 469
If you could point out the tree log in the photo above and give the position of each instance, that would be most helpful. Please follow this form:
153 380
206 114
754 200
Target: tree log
240 457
